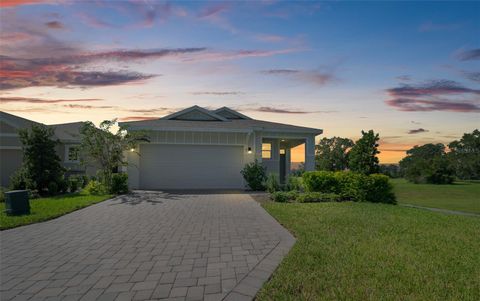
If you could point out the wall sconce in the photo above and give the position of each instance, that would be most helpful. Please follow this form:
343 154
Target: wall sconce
132 149
249 150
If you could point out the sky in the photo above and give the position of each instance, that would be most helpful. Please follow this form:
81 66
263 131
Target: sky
408 70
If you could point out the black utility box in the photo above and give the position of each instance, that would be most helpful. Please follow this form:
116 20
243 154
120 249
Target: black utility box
16 202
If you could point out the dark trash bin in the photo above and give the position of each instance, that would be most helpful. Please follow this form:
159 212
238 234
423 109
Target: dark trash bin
16 202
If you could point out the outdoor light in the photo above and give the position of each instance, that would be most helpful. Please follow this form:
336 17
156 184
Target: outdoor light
283 140
132 149
249 150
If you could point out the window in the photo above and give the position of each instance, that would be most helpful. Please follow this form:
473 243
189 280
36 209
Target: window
266 150
282 151
71 154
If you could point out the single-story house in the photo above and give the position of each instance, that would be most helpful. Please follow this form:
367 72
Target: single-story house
197 148
11 155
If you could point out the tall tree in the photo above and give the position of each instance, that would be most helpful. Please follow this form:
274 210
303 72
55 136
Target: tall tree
105 149
41 164
427 163
465 156
362 157
332 153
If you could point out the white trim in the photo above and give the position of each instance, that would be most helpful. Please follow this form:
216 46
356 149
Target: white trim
195 108
67 149
11 147
187 129
232 112
190 143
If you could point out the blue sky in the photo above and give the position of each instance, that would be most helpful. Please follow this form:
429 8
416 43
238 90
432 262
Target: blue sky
409 70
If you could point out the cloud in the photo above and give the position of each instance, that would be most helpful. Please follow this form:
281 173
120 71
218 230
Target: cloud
277 110
213 10
310 76
14 37
215 55
12 99
404 78
415 122
55 25
218 93
420 105
473 76
77 106
93 21
430 26
137 118
417 131
12 3
467 55
271 38
435 87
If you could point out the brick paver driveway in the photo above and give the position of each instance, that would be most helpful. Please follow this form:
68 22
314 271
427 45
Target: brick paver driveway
148 245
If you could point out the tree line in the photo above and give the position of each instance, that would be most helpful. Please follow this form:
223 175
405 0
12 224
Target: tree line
428 163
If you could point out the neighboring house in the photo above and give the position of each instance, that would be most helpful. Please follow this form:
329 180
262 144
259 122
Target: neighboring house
11 155
201 149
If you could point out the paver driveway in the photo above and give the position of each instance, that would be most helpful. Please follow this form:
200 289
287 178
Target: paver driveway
148 245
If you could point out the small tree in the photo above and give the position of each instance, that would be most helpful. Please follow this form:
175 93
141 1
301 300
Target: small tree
362 157
427 164
106 149
255 175
332 154
41 164
465 156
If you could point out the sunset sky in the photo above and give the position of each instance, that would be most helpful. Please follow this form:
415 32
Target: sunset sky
408 70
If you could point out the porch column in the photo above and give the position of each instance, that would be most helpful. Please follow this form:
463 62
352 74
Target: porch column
310 153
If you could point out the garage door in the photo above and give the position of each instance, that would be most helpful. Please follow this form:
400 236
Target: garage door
164 166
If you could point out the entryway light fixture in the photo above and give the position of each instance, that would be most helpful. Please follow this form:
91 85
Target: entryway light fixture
249 150
132 149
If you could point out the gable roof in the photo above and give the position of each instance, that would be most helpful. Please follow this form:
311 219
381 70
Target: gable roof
195 113
230 114
16 121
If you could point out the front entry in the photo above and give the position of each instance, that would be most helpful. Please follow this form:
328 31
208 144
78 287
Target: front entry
283 164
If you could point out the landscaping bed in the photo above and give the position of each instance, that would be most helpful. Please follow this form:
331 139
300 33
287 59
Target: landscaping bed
364 251
43 209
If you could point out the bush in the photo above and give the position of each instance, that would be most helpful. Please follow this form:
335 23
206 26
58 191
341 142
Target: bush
52 188
73 183
351 186
272 183
119 183
378 189
20 181
320 181
62 185
294 183
85 180
95 188
284 196
317 197
255 175
2 194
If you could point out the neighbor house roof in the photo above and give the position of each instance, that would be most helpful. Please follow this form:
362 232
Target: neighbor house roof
16 121
244 124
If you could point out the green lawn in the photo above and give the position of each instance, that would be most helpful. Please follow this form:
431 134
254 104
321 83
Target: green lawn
363 251
47 208
461 196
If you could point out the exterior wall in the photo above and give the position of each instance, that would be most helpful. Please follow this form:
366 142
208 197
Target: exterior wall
310 153
273 164
10 162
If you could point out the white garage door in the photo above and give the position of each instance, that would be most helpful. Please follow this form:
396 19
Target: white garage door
164 166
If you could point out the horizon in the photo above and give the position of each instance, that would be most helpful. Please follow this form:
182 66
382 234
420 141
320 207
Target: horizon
407 70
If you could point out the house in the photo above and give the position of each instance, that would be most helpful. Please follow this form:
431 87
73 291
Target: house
11 155
198 148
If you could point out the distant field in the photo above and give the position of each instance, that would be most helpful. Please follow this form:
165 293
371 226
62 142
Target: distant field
461 196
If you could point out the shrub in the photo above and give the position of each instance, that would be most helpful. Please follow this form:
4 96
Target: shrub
378 189
73 183
254 174
284 196
19 180
294 183
119 183
316 197
350 185
2 194
85 180
95 188
272 183
320 181
52 188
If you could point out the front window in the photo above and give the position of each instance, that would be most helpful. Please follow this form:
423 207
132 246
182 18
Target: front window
266 150
72 154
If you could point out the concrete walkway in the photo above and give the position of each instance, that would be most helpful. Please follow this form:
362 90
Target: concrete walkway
149 245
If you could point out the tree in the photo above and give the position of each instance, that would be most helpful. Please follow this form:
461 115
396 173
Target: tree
362 157
41 164
332 154
105 149
427 164
465 156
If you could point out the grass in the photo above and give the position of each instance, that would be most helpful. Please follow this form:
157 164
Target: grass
364 251
461 196
43 209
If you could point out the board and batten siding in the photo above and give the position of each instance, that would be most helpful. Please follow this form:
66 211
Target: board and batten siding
192 137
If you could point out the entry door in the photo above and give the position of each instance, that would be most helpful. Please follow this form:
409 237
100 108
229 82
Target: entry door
283 164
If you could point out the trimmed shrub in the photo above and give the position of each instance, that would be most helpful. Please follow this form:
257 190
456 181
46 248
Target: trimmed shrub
350 185
320 181
255 175
317 197
119 183
272 183
378 189
95 188
294 183
284 196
